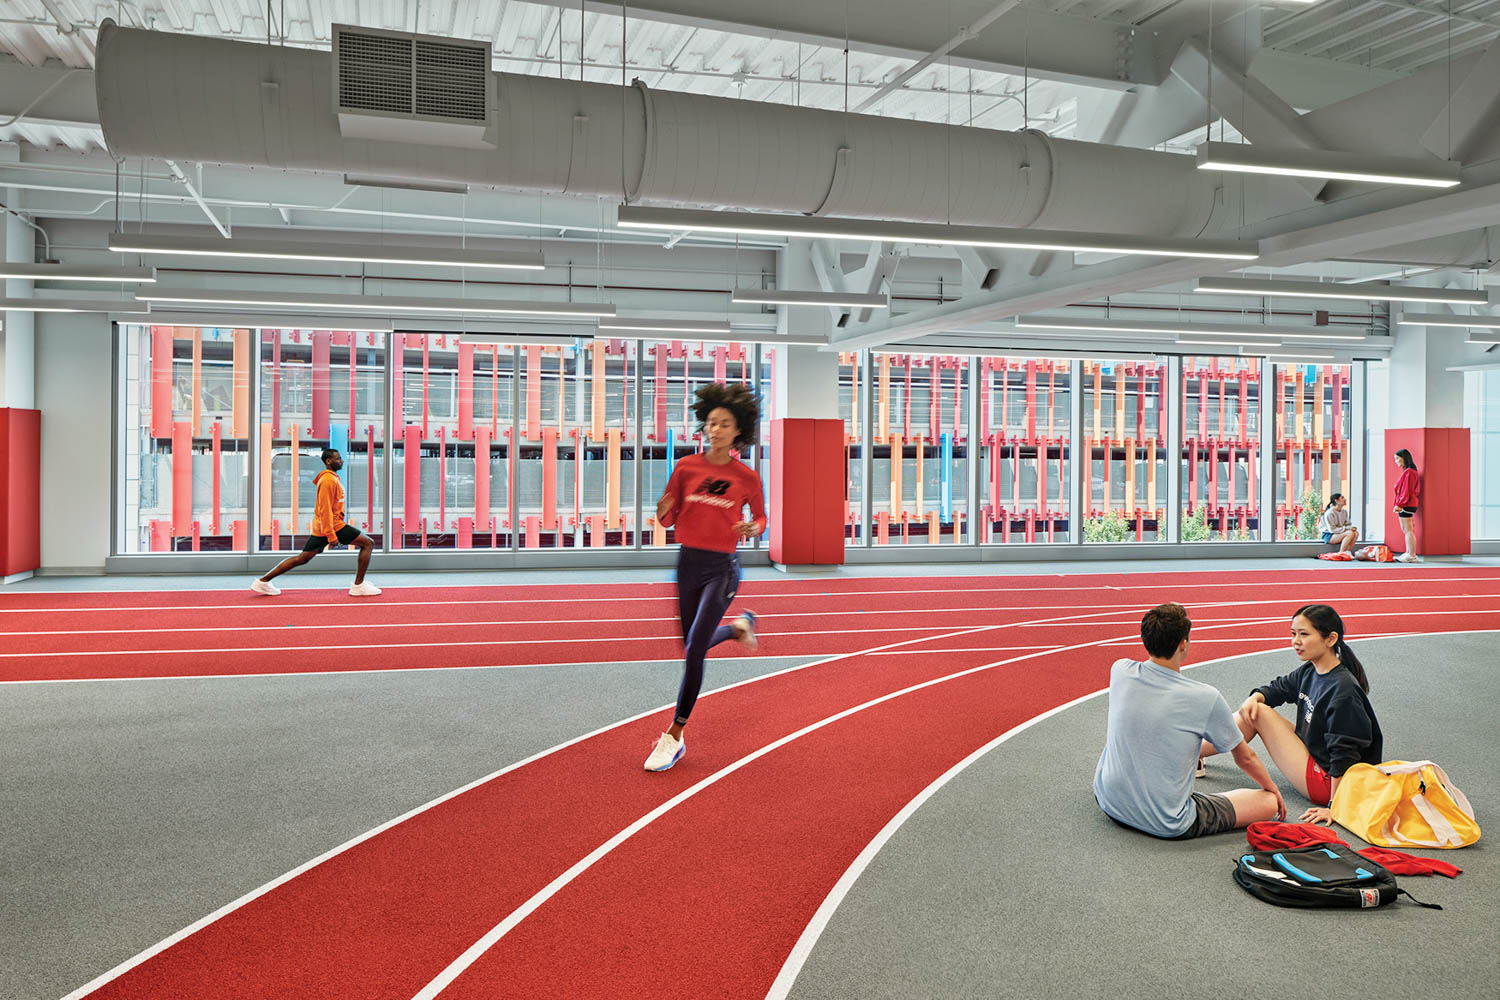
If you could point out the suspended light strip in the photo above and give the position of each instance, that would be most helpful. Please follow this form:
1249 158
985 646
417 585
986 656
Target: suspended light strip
1329 164
1330 290
1483 338
822 227
125 307
72 272
1485 322
849 300
1189 329
632 325
370 253
1225 342
1270 356
375 303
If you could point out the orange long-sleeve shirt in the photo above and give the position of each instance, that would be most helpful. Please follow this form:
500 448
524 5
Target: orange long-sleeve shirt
328 510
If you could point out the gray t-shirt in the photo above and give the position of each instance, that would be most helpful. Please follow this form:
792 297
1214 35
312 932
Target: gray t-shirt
1158 720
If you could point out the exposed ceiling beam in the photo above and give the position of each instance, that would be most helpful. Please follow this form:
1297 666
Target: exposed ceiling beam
1084 50
966 33
192 190
55 96
1472 114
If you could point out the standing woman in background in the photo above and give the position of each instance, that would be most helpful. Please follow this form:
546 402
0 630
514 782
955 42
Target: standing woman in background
705 499
1407 494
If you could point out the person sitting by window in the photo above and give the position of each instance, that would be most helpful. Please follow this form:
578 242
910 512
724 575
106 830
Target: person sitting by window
1335 526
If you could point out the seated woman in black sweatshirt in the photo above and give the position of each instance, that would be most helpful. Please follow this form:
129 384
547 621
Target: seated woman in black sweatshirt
1336 727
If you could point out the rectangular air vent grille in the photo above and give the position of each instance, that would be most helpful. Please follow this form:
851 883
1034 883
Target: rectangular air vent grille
375 72
451 80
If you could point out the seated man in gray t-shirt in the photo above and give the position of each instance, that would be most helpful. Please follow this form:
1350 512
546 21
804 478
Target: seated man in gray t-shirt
1158 723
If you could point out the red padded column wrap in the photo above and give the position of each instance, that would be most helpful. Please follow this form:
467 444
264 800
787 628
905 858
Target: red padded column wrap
807 494
1442 457
20 490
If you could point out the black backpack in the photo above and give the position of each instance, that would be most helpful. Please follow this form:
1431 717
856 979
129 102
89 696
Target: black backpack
1327 875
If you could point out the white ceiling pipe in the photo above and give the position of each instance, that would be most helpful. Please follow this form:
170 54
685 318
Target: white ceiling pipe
206 100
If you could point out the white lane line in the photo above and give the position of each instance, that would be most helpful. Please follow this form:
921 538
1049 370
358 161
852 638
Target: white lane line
499 623
254 894
1182 579
384 670
439 645
800 952
475 951
1100 609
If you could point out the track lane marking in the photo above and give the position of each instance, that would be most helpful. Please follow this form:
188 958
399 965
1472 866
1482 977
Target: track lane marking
773 594
475 951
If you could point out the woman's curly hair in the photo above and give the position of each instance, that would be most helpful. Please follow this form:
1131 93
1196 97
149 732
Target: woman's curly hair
738 400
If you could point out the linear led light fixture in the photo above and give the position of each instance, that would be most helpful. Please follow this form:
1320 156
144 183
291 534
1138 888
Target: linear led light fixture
633 325
125 307
1486 322
375 303
1482 338
1329 164
1331 290
73 272
1273 356
1243 330
370 253
849 300
822 227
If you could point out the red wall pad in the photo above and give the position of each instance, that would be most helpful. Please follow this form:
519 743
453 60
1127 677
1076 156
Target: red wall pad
20 490
807 496
1442 457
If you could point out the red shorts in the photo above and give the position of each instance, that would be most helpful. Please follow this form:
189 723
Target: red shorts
1319 784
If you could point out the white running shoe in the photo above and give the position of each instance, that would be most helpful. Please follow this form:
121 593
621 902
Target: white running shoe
366 589
262 587
746 630
1201 770
1408 557
668 752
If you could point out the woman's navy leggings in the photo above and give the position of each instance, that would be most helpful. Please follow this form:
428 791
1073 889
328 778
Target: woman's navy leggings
706 584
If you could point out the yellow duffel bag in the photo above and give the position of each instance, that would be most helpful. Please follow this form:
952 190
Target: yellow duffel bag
1404 804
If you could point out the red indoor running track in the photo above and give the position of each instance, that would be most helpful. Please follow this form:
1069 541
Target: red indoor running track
539 879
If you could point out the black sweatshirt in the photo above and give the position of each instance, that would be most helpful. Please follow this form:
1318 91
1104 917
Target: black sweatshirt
1334 718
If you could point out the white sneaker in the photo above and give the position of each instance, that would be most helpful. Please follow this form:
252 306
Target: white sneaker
262 587
1201 770
746 624
1408 557
366 589
668 752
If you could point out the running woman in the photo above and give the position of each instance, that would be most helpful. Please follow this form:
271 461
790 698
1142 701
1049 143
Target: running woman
705 498
328 528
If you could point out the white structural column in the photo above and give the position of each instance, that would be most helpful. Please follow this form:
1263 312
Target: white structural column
1423 392
18 346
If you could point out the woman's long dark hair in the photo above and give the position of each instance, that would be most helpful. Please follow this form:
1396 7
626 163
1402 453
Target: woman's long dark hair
1327 621
1407 462
1331 501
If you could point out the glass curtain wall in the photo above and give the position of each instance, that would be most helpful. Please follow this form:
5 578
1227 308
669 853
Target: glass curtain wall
851 410
1482 417
185 438
919 486
1025 465
1125 430
319 389
1220 448
1312 445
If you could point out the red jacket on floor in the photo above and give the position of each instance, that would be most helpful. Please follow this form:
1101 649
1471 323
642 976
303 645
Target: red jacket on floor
1269 836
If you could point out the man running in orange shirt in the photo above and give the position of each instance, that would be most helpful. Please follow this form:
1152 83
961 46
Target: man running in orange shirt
328 527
